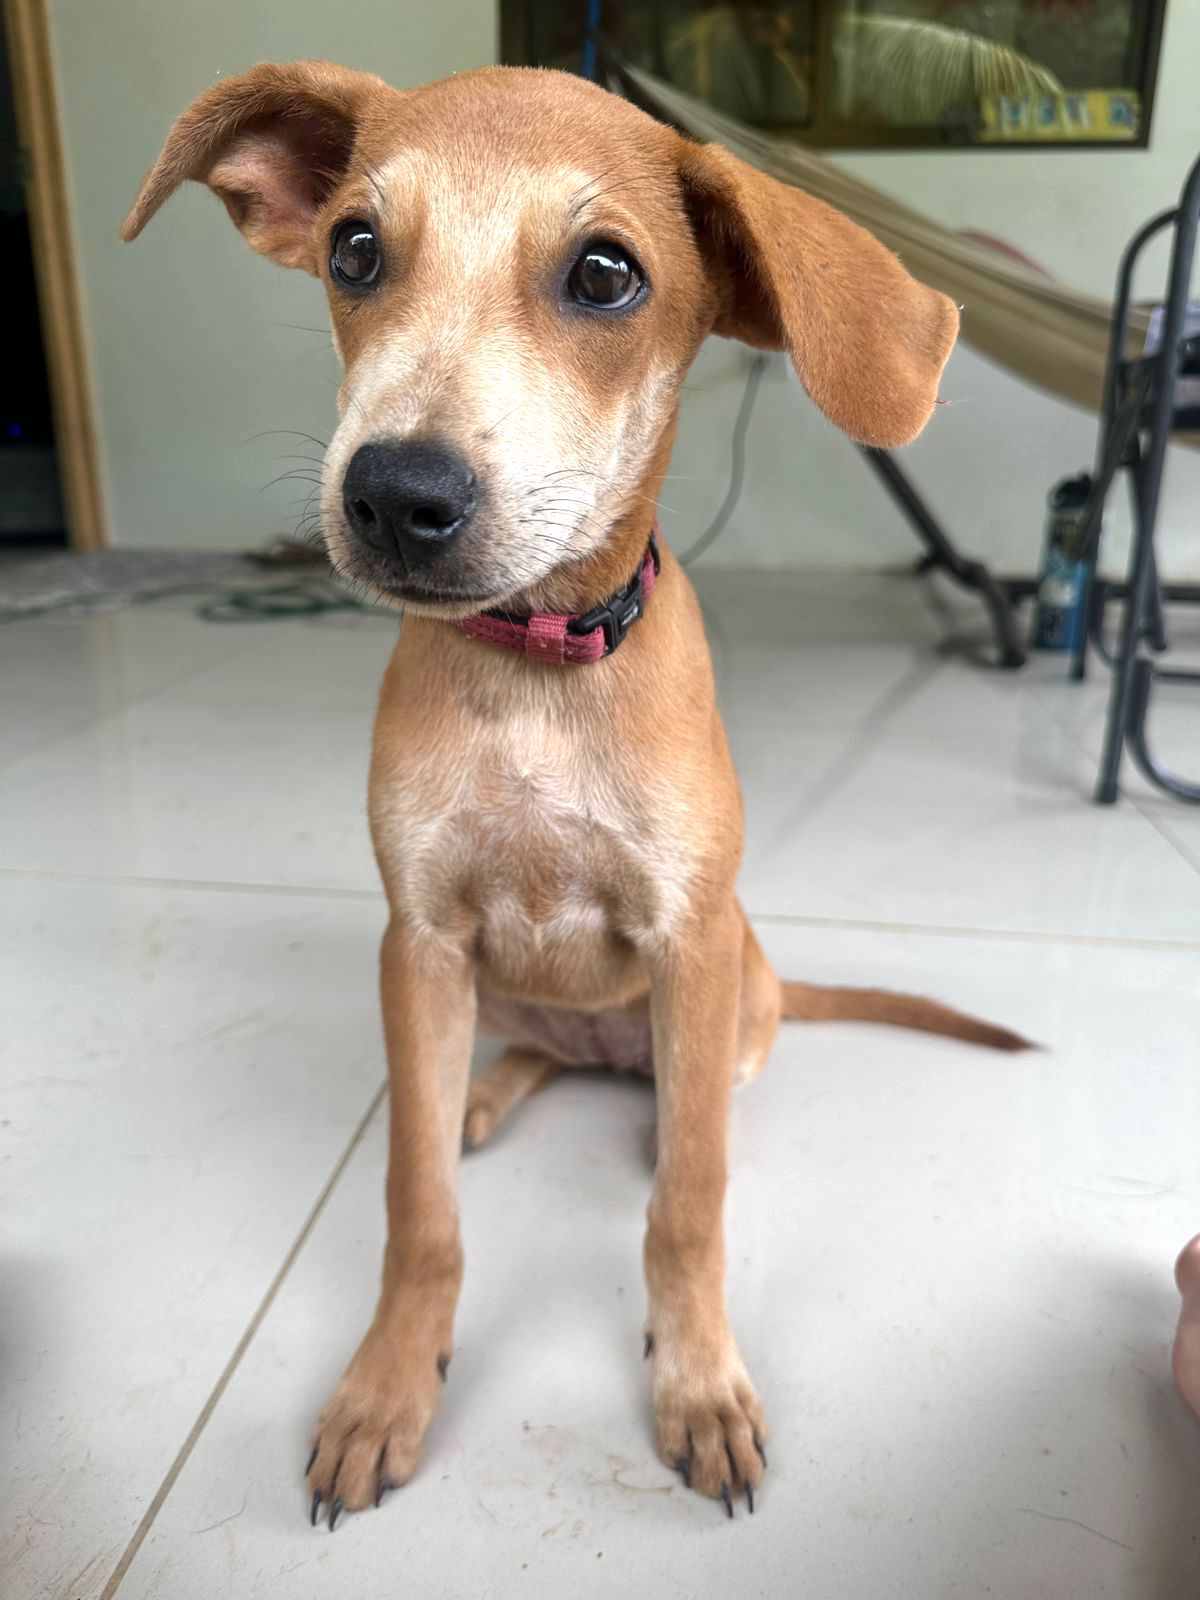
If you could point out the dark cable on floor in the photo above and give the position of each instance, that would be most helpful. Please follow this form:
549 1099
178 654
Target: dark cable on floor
310 597
305 597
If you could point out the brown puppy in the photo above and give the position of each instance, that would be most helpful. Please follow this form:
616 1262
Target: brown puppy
521 268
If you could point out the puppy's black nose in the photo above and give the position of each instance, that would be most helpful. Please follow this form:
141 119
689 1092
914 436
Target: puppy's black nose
408 499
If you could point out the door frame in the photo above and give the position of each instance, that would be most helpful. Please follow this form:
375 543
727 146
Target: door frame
36 100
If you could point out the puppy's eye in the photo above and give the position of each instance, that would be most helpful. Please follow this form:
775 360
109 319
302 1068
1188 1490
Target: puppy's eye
604 276
354 256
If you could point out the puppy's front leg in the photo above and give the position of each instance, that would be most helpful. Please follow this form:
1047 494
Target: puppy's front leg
709 1425
370 1435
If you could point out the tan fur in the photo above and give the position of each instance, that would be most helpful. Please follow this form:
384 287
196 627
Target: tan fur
517 1075
559 847
805 1002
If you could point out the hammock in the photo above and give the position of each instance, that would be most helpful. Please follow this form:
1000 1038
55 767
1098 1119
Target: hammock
1053 337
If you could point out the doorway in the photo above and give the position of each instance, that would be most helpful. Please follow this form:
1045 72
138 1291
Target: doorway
49 480
31 509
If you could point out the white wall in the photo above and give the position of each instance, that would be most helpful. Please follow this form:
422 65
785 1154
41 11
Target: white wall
199 345
189 330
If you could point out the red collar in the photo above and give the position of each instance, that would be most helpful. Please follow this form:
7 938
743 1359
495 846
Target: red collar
571 641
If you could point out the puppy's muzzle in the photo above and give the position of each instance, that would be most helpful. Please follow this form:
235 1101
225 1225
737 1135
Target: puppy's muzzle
408 501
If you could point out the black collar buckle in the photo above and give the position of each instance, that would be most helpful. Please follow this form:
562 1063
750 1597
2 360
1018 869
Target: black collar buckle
621 610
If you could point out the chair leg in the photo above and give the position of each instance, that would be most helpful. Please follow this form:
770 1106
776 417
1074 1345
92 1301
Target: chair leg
1142 579
942 555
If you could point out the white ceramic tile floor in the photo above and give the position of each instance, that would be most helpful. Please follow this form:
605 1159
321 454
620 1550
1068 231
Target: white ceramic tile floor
949 1272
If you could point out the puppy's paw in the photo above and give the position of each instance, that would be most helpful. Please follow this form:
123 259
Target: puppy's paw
370 1435
708 1424
482 1115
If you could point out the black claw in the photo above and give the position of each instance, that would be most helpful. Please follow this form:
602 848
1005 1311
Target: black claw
727 1497
316 1506
312 1458
443 1365
384 1485
335 1512
684 1468
649 1345
762 1454
750 1497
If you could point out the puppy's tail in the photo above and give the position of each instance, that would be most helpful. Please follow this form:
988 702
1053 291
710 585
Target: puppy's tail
807 1002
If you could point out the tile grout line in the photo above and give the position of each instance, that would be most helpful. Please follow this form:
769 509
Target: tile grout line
130 880
235 1360
935 930
1164 830
855 924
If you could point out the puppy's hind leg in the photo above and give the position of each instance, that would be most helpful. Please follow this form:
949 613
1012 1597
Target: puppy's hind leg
758 1010
491 1097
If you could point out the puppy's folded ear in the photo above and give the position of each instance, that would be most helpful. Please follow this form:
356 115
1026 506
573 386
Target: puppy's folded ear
272 144
868 341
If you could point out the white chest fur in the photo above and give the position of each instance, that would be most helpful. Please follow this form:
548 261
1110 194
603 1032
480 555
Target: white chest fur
550 850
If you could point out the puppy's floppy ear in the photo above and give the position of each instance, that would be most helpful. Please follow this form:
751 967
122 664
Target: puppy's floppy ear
868 341
272 144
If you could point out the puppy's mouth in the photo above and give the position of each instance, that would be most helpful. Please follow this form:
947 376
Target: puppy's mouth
443 602
432 595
